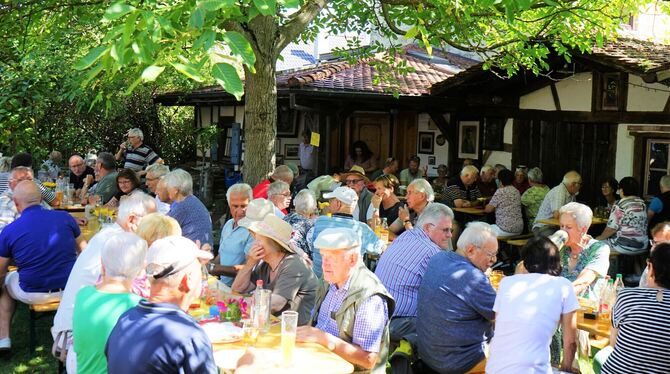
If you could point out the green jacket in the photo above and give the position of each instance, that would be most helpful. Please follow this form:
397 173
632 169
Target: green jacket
363 285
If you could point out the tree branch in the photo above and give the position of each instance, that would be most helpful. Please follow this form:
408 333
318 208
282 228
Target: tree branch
299 20
389 22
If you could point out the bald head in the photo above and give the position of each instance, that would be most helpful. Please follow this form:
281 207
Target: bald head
26 194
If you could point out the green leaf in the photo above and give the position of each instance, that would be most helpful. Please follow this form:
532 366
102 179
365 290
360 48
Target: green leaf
152 72
240 47
226 76
129 28
205 41
266 7
412 33
92 74
188 71
91 57
197 19
290 3
214 5
117 10
130 88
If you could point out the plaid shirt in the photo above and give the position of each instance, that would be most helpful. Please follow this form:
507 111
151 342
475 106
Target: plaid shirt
371 318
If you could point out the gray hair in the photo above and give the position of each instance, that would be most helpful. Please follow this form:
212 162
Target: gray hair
535 175
158 170
137 204
136 132
571 177
277 187
665 182
485 169
304 202
469 170
5 163
434 213
422 185
581 213
282 172
107 160
123 256
476 234
239 188
181 180
21 169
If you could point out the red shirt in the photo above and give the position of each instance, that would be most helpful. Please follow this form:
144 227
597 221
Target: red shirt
261 189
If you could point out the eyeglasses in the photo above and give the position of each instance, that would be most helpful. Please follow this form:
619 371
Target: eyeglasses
446 230
352 181
489 254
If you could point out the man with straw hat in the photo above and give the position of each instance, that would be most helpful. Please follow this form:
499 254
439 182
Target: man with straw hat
357 181
282 270
352 312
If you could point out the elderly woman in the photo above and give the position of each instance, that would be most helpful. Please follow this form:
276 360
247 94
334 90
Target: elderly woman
97 308
532 198
626 230
419 195
515 347
521 180
188 210
279 193
301 220
506 203
292 283
384 204
127 182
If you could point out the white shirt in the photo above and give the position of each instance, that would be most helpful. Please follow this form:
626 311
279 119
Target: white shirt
161 207
528 309
307 156
85 272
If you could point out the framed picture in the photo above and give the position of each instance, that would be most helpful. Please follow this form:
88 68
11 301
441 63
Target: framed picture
431 160
291 151
610 91
287 124
468 140
440 140
426 143
494 134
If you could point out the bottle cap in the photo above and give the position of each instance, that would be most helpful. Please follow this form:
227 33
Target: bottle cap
259 283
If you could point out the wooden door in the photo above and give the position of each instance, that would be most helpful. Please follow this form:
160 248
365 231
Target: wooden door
374 130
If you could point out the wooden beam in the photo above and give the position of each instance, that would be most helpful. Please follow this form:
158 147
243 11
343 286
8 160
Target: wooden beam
667 105
571 116
554 94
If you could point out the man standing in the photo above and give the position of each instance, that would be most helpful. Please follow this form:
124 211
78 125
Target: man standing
351 318
565 192
155 173
44 256
137 154
358 182
80 172
455 305
307 153
412 172
105 175
403 264
158 336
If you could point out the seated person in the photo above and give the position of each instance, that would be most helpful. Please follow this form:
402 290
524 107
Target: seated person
506 203
419 196
80 172
279 194
521 179
659 207
8 211
187 209
155 173
412 172
127 183
351 318
487 181
105 177
281 173
302 219
26 160
44 256
659 234
98 307
292 283
462 190
384 204
390 168
325 183
558 196
626 231
532 198
361 155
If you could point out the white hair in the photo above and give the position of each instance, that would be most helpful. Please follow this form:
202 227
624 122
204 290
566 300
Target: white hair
535 175
239 188
485 169
277 187
469 170
21 170
422 185
136 132
476 234
158 170
123 256
434 213
282 172
665 182
571 177
181 180
304 202
581 213
138 204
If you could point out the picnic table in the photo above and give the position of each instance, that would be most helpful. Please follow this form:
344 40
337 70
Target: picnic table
555 222
471 210
89 229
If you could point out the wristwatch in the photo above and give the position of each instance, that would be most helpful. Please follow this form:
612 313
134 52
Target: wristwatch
210 267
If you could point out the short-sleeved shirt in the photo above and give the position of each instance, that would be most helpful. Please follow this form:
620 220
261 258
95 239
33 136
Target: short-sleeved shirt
295 282
595 256
391 214
78 180
532 199
656 205
95 315
455 310
140 157
158 338
525 322
406 177
629 219
234 247
42 244
507 202
456 189
301 225
106 187
553 201
194 219
260 191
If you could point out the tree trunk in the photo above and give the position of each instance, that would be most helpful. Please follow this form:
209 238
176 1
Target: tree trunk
260 110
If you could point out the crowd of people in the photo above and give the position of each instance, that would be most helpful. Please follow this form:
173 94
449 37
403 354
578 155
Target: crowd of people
430 285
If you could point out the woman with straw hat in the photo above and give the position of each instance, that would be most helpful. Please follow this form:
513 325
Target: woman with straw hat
273 259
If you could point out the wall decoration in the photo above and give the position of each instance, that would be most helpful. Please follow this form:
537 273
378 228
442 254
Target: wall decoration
291 151
431 160
494 134
468 140
287 123
440 140
426 143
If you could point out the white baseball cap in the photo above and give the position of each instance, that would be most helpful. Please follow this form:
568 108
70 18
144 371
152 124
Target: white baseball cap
256 211
345 194
172 254
337 238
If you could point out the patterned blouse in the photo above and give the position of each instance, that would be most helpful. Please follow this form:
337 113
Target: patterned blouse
301 226
629 219
508 209
596 257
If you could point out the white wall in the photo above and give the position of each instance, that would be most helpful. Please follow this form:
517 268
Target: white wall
646 97
441 152
574 93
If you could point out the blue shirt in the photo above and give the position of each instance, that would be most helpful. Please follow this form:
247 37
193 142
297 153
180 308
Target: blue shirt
158 338
402 266
656 205
234 247
194 219
43 246
454 312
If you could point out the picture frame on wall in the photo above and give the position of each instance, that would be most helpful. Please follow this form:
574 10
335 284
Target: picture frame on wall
287 123
494 134
426 143
431 160
468 140
291 151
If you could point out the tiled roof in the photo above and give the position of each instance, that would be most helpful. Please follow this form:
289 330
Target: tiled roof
634 55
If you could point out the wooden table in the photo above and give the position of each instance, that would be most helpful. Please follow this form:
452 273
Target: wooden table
472 211
593 326
307 357
555 222
71 208
90 229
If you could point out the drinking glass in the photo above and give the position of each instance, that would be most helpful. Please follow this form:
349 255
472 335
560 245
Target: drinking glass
289 325
249 331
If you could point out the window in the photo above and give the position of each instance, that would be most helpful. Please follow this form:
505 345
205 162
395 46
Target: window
656 165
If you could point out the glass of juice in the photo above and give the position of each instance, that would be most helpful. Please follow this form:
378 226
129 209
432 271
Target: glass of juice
289 325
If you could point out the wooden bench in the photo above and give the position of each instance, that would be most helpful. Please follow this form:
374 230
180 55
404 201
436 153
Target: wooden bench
38 311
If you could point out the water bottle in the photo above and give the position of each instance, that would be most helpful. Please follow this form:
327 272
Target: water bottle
261 308
618 284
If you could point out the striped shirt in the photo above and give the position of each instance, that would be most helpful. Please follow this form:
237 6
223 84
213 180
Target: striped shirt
456 190
368 327
643 332
138 158
4 182
402 266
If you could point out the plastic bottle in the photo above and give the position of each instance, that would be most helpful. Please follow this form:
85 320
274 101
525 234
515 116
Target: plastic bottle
606 300
618 284
384 231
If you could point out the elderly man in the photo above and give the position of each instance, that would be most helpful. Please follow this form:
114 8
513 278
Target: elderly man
357 181
43 256
8 211
462 190
155 173
403 264
660 233
455 305
487 181
281 173
188 210
86 270
659 207
565 192
80 173
26 160
412 172
135 153
180 345
351 319
279 195
342 202
105 176
419 195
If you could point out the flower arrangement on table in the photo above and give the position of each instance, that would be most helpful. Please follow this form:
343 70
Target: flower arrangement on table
233 310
